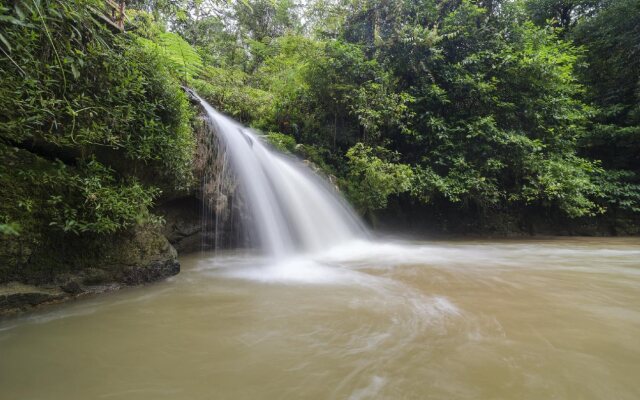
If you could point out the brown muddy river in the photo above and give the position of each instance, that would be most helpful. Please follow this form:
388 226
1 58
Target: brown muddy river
535 319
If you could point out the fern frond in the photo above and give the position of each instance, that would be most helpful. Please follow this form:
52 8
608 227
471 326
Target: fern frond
186 60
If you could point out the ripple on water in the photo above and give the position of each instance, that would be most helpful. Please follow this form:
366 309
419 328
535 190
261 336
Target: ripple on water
465 320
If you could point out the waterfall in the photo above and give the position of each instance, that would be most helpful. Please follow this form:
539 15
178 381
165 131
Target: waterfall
291 209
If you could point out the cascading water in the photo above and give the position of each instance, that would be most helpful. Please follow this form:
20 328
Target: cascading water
291 209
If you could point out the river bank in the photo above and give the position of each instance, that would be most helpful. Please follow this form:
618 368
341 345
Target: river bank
134 257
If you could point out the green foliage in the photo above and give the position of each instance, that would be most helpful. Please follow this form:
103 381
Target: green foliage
282 142
565 182
184 60
51 198
482 105
619 190
378 110
104 204
264 19
9 228
374 176
109 93
490 105
562 13
227 90
93 123
611 39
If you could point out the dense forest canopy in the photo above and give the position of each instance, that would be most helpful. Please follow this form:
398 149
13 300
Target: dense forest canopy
490 105
477 107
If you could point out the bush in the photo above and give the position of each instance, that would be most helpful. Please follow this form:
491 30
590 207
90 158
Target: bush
374 176
102 115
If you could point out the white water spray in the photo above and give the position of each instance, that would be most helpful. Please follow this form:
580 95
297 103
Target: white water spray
292 209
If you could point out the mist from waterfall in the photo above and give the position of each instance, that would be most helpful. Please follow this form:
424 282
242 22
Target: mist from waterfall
292 209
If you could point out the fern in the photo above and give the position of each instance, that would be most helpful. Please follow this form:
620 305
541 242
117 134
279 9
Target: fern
184 60
180 53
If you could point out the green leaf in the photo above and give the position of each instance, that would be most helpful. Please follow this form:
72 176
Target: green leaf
6 42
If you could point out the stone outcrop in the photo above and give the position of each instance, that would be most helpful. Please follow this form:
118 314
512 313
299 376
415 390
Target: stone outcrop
138 256
183 223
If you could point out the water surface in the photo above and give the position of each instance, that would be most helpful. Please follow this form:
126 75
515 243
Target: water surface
539 319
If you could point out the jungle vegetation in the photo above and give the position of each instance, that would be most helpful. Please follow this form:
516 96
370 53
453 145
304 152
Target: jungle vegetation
481 108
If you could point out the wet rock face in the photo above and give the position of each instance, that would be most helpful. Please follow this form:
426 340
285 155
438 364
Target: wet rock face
212 215
156 271
139 256
16 296
183 223
191 224
20 300
72 287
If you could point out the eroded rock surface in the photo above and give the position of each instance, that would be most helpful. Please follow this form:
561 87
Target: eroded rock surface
139 256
